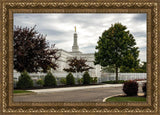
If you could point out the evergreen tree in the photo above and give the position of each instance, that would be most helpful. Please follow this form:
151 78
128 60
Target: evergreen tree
70 79
49 80
24 81
86 78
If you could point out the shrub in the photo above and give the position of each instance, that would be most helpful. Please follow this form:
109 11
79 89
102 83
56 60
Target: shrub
40 82
144 88
114 82
86 78
130 88
49 80
93 80
63 81
80 81
24 81
70 79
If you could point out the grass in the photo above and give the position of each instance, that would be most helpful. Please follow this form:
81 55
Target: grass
21 91
114 82
126 99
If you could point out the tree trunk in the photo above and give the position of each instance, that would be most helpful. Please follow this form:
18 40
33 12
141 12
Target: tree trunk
116 74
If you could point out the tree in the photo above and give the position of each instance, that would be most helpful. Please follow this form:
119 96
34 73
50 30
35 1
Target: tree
109 69
116 47
125 69
77 65
86 78
140 69
70 79
32 52
24 81
144 67
49 80
40 82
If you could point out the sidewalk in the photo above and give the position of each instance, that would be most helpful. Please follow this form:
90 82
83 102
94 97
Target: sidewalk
74 88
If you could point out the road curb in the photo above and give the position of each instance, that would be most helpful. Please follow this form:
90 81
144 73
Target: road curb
21 94
73 88
104 100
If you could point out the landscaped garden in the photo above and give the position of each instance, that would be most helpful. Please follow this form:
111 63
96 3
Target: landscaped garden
130 88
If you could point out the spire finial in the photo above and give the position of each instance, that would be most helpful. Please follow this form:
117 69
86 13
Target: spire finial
75 28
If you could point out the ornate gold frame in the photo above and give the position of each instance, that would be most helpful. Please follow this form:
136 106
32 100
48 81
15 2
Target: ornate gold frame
8 7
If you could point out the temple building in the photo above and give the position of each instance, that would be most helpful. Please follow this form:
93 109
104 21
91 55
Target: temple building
65 55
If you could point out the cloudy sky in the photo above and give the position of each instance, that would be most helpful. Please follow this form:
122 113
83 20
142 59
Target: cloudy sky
59 28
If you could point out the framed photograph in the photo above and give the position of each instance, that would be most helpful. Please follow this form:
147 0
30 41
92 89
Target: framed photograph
79 57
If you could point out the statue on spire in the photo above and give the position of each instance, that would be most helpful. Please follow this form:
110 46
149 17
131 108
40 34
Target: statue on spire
75 28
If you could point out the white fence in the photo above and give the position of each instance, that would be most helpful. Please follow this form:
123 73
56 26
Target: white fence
122 76
36 76
104 76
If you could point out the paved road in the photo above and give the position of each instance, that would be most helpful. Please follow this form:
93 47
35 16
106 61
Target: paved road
83 95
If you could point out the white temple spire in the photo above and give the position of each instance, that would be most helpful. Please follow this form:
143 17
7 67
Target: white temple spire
75 47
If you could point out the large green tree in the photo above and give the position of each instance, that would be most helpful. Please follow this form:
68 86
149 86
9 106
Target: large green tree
116 47
32 52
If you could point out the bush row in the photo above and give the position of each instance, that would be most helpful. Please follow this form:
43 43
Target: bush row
25 80
114 82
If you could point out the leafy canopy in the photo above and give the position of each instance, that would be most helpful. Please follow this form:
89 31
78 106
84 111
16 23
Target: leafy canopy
140 69
32 52
116 47
77 65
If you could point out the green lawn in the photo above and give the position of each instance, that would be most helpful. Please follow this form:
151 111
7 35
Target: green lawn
125 99
21 91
